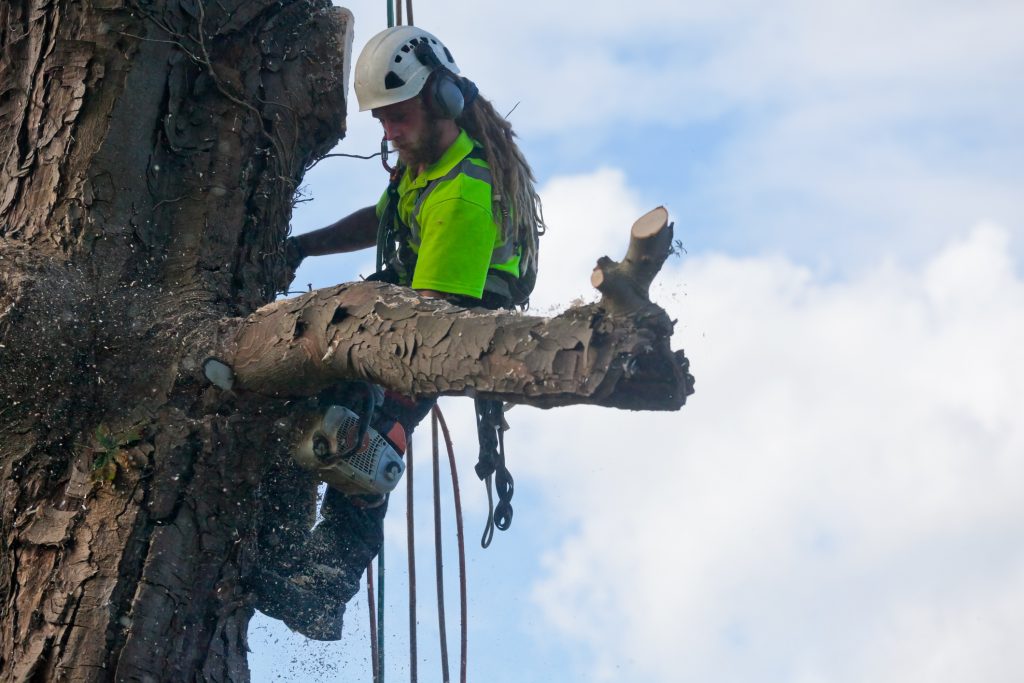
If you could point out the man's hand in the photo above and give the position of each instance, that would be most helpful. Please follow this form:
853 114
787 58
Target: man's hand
356 231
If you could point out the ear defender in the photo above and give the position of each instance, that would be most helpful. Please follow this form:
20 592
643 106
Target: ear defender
444 97
443 92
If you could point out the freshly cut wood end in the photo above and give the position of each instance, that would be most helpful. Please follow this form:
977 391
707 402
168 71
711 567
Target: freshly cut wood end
219 373
651 223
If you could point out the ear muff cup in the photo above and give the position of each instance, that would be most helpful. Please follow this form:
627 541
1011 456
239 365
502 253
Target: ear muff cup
443 96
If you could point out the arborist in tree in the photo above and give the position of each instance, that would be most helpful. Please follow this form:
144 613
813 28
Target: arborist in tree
459 220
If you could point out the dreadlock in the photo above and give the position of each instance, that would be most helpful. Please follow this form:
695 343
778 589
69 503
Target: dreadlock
515 199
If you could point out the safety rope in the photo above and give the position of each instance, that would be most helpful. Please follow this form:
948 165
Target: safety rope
373 623
410 531
392 7
376 625
441 628
438 418
490 424
380 614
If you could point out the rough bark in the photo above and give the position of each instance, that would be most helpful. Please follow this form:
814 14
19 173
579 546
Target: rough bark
149 156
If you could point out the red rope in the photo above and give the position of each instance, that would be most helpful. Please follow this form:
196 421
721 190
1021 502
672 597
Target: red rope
373 622
409 523
442 630
438 417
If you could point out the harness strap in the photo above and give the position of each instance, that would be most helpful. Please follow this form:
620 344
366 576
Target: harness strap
389 223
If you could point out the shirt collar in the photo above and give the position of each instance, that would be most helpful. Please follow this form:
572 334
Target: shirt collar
458 150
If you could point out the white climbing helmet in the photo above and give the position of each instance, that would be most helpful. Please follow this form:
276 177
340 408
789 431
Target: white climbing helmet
388 70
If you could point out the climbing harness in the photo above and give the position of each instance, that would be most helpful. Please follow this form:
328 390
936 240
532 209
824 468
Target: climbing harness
389 255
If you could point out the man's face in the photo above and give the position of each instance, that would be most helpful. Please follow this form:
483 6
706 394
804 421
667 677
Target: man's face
413 132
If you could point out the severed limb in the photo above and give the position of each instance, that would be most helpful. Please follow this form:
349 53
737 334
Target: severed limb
614 353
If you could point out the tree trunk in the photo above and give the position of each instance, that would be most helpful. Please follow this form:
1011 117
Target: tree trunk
149 154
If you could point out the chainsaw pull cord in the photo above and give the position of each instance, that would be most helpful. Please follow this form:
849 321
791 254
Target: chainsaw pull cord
490 425
438 418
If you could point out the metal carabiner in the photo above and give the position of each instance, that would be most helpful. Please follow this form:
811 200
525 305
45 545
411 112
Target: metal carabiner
384 156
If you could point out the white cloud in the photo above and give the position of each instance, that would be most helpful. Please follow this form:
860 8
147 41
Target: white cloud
605 60
835 130
664 61
588 216
839 501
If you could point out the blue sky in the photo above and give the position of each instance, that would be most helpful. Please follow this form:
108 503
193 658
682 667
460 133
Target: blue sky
839 501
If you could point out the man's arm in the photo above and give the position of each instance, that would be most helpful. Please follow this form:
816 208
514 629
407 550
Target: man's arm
356 231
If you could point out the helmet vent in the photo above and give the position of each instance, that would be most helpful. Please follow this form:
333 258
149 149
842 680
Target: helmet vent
449 56
392 81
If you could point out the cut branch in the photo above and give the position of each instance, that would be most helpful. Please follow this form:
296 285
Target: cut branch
616 353
625 287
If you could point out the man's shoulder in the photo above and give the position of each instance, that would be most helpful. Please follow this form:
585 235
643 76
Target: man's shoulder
465 186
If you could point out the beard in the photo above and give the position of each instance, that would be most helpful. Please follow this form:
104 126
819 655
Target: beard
427 149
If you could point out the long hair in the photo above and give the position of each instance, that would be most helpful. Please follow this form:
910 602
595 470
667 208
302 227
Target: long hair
517 207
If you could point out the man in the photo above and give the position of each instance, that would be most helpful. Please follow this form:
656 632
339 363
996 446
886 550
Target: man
452 234
460 221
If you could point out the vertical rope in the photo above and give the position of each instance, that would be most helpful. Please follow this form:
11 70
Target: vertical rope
391 13
398 12
373 622
438 565
380 614
408 4
463 612
410 529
